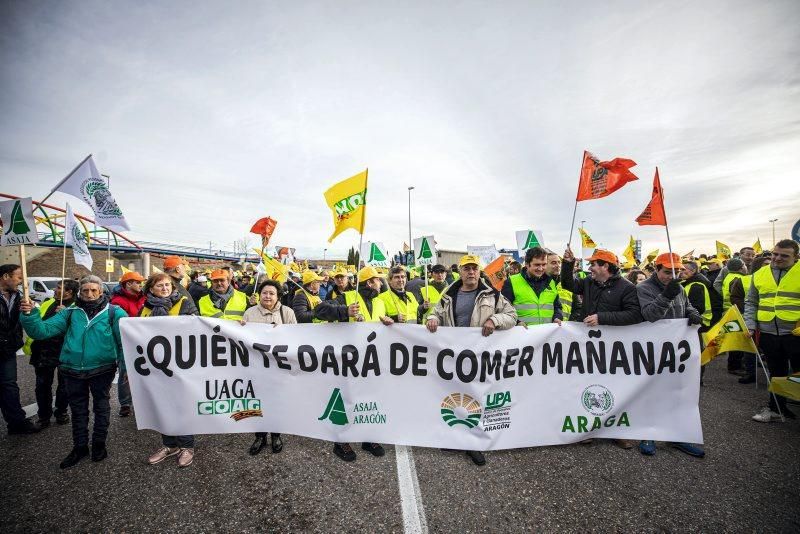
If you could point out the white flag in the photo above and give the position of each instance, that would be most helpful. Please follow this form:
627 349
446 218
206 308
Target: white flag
77 240
375 254
85 183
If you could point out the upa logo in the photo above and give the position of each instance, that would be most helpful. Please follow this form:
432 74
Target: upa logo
237 399
461 409
497 415
597 399
364 413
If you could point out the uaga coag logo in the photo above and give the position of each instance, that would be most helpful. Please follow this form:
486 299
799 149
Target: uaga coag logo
236 399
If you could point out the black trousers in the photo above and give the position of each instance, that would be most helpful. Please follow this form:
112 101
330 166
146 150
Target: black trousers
780 352
78 391
44 392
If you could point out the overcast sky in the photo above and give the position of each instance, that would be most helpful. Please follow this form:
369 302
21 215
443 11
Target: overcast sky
209 115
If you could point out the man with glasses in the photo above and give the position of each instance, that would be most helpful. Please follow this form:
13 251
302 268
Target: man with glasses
772 306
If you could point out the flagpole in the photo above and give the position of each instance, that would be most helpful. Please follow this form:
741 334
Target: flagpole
575 210
361 230
63 267
62 181
666 222
24 264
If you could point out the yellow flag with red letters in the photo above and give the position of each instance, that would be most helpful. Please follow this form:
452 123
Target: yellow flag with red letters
348 203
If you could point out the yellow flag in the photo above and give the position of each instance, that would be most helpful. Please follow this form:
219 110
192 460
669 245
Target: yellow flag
651 256
729 334
629 253
757 246
275 269
155 270
586 241
125 270
348 203
688 256
723 251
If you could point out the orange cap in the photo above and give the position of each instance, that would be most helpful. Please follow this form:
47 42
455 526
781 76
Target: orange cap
133 275
604 255
170 262
216 274
670 261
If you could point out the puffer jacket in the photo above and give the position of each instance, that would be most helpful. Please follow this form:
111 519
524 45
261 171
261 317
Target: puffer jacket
130 302
88 345
10 328
614 301
656 306
489 304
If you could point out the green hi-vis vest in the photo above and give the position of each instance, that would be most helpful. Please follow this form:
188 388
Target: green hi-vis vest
530 308
233 311
778 300
565 296
395 305
173 311
378 309
706 301
431 294
726 288
27 347
313 302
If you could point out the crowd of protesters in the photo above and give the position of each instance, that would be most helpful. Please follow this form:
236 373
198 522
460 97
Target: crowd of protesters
74 340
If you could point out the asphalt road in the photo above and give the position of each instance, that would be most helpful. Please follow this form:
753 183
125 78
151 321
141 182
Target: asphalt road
748 481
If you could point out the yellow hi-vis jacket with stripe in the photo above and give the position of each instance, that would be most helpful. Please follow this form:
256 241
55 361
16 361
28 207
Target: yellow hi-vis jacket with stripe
533 309
706 301
565 297
431 294
27 348
173 311
726 288
234 310
781 299
378 309
395 305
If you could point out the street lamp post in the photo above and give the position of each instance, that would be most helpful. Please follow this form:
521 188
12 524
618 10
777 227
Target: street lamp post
410 242
773 231
324 252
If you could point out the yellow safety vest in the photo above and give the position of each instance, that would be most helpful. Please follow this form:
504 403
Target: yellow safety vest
395 306
706 315
233 310
431 294
781 300
378 309
174 310
565 296
533 309
313 302
27 348
726 288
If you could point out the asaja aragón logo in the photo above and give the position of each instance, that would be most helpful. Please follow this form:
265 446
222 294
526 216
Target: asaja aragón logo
364 413
597 399
237 399
461 409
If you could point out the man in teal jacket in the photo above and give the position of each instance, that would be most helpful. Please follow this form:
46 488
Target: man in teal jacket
87 363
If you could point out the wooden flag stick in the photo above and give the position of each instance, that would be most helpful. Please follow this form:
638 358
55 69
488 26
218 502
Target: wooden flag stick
63 268
23 264
575 210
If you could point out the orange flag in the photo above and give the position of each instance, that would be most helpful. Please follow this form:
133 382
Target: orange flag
601 178
495 272
653 214
264 227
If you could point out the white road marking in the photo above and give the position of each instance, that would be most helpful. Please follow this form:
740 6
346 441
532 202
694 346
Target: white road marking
31 410
410 496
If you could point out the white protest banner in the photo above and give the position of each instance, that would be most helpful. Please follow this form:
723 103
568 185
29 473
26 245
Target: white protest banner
404 385
375 254
77 240
487 254
528 239
19 226
85 183
425 250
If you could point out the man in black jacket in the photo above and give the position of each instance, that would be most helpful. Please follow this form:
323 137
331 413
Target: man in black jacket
10 343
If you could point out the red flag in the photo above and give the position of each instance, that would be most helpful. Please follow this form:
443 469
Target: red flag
601 178
653 214
264 227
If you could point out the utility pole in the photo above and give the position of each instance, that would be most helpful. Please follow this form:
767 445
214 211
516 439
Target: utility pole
773 231
410 241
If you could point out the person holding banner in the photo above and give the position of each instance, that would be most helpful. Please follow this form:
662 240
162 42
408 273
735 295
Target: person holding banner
222 302
10 343
400 304
162 299
471 301
88 361
431 293
341 284
307 298
269 310
533 292
127 295
661 297
357 306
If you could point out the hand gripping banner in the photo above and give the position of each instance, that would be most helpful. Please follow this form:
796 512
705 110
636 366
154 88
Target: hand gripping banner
401 384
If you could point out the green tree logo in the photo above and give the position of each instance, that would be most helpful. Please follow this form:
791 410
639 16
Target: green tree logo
531 241
18 223
425 252
335 411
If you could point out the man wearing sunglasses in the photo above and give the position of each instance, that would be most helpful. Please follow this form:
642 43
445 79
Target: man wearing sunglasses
772 306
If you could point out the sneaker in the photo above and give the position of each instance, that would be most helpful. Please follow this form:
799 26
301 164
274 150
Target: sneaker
185 457
767 416
477 457
692 450
374 449
62 418
747 379
344 451
124 411
75 455
27 427
162 454
258 445
647 447
99 452
623 443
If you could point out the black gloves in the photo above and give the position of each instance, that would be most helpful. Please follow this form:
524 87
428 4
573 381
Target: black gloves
695 319
672 289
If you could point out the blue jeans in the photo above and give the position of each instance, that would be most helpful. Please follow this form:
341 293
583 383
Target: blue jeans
9 391
44 393
123 389
184 442
78 391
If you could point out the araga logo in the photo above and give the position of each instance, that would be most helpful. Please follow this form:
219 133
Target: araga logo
237 399
598 401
